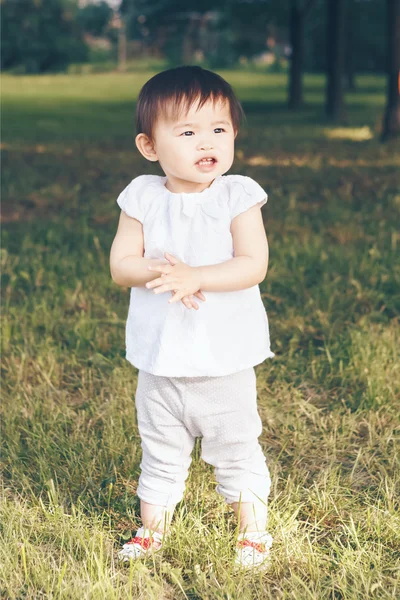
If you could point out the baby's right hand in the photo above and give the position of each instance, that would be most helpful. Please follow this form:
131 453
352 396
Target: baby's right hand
189 301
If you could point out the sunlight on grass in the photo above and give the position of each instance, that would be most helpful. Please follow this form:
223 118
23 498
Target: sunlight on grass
376 363
359 134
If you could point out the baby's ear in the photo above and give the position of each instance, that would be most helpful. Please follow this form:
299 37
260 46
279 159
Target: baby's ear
146 147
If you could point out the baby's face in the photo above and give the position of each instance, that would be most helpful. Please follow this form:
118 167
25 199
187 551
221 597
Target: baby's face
198 146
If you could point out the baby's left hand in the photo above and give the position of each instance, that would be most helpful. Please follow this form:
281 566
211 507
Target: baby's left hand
177 276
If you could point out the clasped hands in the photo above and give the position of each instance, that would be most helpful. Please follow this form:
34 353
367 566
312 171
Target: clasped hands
179 278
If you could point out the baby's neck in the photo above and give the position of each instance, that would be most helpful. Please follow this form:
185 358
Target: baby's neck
180 186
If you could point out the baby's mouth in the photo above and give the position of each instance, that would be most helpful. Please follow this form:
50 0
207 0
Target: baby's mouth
206 162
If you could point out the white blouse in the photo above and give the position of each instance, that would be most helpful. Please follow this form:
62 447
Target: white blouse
229 332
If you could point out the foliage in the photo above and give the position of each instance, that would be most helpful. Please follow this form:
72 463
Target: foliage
236 28
184 32
365 36
94 18
40 36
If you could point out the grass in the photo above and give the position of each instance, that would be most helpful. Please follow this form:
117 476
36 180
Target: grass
329 400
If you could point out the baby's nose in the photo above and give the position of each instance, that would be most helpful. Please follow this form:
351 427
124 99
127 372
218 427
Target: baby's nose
205 146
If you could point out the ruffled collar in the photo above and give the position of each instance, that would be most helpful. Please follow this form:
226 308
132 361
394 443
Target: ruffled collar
207 199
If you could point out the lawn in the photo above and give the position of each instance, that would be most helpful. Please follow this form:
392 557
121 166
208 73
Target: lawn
329 399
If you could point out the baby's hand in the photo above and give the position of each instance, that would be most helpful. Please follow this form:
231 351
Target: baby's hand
179 278
189 301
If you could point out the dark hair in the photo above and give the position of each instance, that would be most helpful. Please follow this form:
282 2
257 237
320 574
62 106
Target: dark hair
180 88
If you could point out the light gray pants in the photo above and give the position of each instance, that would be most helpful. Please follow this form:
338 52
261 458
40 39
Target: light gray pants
173 411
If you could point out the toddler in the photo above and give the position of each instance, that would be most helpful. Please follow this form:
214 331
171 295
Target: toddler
199 235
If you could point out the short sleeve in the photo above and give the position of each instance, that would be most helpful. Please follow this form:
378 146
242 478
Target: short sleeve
245 193
135 199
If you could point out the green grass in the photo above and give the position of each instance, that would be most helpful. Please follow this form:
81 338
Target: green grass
329 400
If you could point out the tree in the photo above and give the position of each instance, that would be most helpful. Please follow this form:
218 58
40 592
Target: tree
391 122
297 16
335 59
40 35
94 18
350 80
184 29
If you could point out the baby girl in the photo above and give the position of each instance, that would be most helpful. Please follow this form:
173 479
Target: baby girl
199 235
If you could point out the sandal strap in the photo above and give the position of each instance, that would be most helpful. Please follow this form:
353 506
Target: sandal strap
255 545
145 543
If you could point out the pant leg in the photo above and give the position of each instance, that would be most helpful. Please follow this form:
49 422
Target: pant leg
230 433
166 443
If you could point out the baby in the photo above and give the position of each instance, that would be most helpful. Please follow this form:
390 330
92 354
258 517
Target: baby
199 235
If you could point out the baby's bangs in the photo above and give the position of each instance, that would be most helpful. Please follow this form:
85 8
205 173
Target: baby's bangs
171 93
178 105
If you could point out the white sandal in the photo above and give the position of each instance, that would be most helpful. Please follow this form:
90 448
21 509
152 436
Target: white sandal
253 549
144 543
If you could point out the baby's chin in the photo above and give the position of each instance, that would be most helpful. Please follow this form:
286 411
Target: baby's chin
195 175
207 175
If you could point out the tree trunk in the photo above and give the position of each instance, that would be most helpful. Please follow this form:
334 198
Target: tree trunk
298 14
350 78
296 26
335 60
391 121
349 49
122 46
188 40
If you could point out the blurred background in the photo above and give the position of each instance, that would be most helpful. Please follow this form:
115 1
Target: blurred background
337 37
343 37
95 35
86 35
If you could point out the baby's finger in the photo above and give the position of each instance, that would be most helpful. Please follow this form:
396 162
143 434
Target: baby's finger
166 288
171 258
194 304
160 268
200 295
155 282
186 301
162 284
176 297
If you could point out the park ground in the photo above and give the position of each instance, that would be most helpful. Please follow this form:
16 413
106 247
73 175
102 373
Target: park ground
329 400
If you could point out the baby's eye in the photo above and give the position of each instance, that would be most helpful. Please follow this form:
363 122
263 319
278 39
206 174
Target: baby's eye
218 130
188 133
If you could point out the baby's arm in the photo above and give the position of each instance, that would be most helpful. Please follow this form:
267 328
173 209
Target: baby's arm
246 269
128 266
250 263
